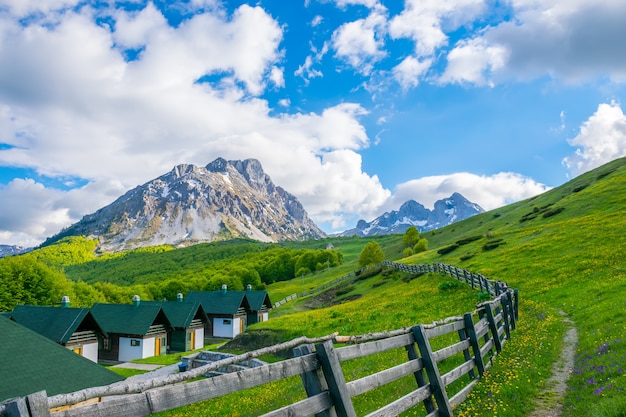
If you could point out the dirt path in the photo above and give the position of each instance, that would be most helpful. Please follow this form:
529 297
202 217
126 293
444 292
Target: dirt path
549 403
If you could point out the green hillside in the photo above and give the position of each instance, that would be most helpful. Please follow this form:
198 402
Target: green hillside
563 250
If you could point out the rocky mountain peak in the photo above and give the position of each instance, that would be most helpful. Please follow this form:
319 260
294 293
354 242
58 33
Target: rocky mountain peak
192 204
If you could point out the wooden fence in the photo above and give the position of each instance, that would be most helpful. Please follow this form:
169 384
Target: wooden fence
481 335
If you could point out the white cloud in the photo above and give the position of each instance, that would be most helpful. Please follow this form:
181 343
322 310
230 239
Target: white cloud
574 40
490 192
360 43
317 20
425 22
472 61
601 139
277 76
22 8
74 107
408 72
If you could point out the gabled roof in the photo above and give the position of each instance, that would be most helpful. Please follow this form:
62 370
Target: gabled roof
128 318
31 362
258 299
56 323
181 313
220 302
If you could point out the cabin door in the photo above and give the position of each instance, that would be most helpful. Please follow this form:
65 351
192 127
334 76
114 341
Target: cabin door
157 346
193 340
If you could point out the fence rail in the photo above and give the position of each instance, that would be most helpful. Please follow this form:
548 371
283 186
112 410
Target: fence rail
480 335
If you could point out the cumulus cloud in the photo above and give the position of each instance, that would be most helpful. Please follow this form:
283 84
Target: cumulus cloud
488 191
424 21
360 43
472 61
574 40
601 139
408 72
71 104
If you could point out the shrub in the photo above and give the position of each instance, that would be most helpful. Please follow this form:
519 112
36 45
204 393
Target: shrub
449 285
420 246
407 252
493 244
447 249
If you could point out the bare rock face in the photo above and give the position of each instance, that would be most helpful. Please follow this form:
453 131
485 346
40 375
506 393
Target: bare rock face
192 204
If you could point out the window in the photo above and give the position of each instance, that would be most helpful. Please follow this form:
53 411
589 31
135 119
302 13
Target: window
228 321
135 342
106 344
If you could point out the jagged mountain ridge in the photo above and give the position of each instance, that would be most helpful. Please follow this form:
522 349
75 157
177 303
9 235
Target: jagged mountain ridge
192 204
412 213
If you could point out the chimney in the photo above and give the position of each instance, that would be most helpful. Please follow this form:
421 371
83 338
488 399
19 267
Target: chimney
179 297
224 288
136 300
65 301
249 287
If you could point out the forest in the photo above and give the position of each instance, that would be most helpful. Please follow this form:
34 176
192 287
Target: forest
73 267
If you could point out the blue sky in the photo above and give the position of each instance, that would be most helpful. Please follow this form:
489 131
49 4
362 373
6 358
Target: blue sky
354 106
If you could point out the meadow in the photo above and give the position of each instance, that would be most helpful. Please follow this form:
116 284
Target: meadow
563 250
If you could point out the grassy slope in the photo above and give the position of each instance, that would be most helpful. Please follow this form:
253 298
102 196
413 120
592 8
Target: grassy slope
567 255
572 261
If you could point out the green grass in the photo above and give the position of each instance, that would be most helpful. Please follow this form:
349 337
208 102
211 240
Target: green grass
562 250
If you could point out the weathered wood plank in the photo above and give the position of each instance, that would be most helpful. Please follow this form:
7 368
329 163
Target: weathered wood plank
134 405
331 366
481 328
377 346
452 350
381 378
486 348
493 328
444 329
317 405
402 404
172 396
461 396
458 372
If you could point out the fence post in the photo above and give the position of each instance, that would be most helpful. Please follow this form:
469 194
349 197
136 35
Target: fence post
516 304
337 387
313 381
471 333
509 301
419 377
434 378
493 327
505 315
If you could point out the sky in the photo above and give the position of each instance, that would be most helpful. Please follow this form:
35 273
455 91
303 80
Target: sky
353 106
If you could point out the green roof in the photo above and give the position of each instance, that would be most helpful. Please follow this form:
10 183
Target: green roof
128 318
258 299
220 302
56 323
31 362
180 313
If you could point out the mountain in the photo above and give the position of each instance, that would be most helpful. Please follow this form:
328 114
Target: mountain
192 204
6 250
412 213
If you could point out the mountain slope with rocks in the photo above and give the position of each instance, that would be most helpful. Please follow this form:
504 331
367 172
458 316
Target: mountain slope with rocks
192 204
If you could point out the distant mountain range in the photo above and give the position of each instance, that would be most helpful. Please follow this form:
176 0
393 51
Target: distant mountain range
6 250
191 204
230 199
412 213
